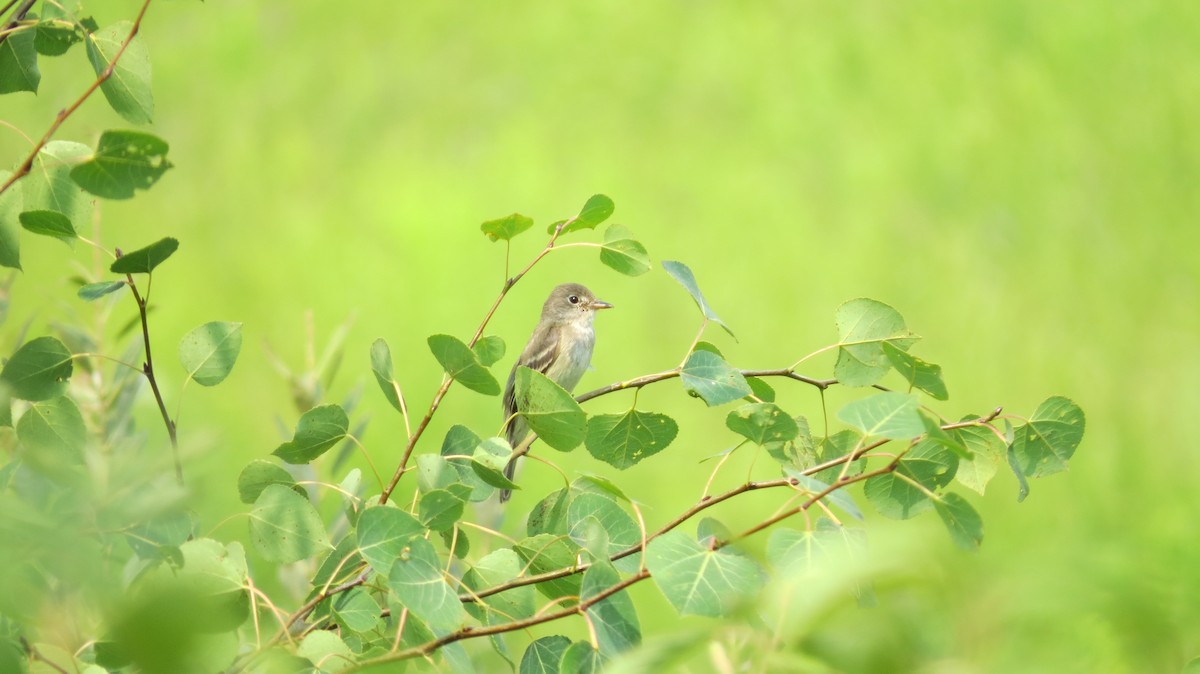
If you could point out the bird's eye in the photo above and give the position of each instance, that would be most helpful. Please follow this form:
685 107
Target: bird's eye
573 299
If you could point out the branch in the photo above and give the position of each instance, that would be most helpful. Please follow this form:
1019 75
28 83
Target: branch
644 380
148 370
63 114
447 381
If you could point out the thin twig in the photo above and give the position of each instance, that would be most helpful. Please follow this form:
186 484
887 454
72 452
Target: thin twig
638 382
148 370
27 164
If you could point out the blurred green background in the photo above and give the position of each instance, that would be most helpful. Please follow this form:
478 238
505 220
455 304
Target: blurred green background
1018 178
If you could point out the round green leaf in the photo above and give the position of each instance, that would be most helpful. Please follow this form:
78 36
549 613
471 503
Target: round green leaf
548 552
52 435
544 655
614 618
500 566
440 509
699 581
39 370
285 527
18 61
549 410
864 325
418 580
961 520
710 378
319 429
461 363
597 209
623 440
48 223
885 415
762 423
209 351
489 350
383 532
920 374
260 474
581 658
897 494
623 253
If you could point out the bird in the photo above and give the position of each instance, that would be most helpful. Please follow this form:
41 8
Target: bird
560 348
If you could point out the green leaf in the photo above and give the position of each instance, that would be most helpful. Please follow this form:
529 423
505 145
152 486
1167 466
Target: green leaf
339 564
864 325
48 223
489 350
1045 444
581 658
383 533
711 379
209 351
544 655
614 618
698 581
622 252
49 187
319 429
619 527
507 227
793 552
124 161
461 441
488 462
549 410
325 650
94 291
549 516
285 527
260 474
417 579
1015 465
681 273
52 435
10 242
39 370
762 423
213 576
128 90
897 494
920 374
987 453
440 509
761 389
623 440
461 363
381 367
18 62
964 524
144 260
885 415
355 610
836 446
547 552
495 568
595 211
53 38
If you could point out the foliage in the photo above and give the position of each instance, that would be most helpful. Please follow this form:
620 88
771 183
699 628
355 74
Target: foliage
388 581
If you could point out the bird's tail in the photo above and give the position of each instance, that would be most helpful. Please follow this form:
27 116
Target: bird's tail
509 471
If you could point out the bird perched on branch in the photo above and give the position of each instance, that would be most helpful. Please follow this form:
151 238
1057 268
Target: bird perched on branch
560 348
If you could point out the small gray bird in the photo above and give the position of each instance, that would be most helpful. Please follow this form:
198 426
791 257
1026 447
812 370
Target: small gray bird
560 348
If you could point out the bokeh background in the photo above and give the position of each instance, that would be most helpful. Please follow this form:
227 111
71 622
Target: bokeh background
1018 178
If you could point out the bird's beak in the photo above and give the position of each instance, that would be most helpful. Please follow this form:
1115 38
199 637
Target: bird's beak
601 304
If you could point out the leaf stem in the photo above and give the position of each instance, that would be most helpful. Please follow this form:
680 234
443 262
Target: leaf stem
148 370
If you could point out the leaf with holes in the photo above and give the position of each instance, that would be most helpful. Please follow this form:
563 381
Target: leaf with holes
1045 444
623 440
124 161
762 423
